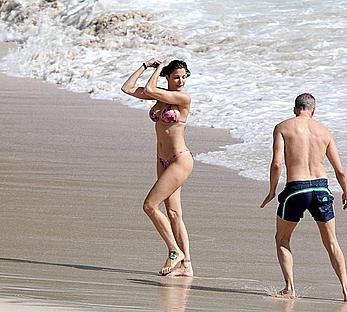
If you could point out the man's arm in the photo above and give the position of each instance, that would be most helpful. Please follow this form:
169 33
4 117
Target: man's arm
334 159
276 164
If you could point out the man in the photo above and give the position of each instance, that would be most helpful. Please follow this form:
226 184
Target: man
304 143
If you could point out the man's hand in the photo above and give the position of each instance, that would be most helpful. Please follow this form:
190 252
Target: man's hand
344 201
269 197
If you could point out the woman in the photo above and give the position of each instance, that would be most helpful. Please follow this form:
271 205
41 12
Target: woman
174 160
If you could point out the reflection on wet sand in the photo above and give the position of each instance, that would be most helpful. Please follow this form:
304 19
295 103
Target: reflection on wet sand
174 293
289 306
343 308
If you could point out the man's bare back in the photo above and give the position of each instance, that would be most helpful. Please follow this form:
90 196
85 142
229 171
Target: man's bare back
305 145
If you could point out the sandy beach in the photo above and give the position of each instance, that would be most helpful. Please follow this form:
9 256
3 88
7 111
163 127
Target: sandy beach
73 175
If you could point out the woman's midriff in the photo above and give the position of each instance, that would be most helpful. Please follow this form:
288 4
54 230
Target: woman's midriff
170 140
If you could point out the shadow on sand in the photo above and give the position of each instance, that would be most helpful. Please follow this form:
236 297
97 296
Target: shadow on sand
201 288
79 266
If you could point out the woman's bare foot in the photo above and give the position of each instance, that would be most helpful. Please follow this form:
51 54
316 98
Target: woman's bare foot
286 293
185 269
173 259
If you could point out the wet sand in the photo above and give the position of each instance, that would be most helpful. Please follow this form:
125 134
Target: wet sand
73 175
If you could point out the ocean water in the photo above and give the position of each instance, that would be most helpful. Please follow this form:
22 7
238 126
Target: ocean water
249 60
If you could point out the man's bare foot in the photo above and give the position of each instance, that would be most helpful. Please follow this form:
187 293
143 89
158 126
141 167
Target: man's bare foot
173 259
185 269
344 295
286 293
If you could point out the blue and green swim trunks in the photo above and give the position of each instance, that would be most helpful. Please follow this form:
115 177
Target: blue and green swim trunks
313 195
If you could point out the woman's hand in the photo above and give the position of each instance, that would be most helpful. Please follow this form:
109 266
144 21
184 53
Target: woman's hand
153 62
166 61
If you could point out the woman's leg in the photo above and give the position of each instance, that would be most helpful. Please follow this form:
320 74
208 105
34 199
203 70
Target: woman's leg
174 212
168 182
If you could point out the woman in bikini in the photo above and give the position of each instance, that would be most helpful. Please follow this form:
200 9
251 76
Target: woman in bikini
174 160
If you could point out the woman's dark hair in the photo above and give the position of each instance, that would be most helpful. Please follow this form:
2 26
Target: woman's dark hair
175 64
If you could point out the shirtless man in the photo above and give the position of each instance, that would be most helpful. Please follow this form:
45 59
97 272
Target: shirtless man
304 143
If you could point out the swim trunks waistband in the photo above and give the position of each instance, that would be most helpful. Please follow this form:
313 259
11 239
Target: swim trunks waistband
322 182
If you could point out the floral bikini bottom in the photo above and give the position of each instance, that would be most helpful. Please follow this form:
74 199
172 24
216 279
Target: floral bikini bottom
167 162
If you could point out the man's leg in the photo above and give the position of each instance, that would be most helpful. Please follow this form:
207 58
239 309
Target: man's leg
328 234
284 230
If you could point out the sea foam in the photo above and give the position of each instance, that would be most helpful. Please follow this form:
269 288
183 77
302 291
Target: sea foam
249 60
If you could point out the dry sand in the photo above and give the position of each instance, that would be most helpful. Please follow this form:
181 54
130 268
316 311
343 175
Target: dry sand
73 175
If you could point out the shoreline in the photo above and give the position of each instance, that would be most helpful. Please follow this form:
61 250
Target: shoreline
74 173
224 135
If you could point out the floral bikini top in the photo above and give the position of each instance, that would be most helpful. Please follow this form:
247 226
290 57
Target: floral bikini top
167 115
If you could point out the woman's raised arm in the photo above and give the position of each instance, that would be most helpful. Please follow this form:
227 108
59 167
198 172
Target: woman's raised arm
130 85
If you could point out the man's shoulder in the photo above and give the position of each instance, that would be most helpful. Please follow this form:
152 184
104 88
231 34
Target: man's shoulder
319 125
292 123
284 123
293 120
